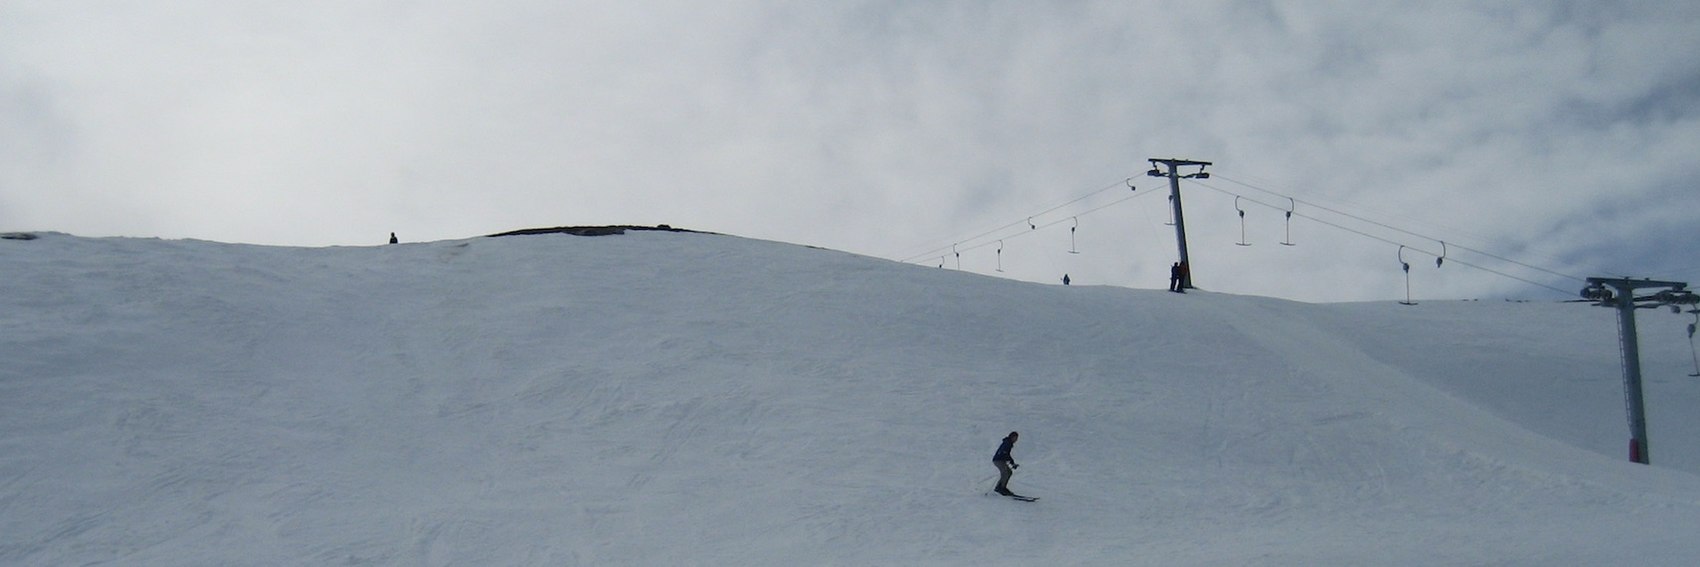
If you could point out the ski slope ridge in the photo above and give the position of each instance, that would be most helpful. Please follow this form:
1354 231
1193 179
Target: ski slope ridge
688 398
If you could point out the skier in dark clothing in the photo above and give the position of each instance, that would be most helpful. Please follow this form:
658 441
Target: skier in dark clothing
1005 463
1175 277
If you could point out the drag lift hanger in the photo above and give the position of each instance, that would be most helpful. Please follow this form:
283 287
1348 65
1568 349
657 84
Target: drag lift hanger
1242 241
1071 230
1291 204
1691 350
1407 267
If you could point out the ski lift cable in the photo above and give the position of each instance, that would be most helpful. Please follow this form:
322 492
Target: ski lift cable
1392 228
1036 228
1350 205
1028 221
1690 272
1151 225
1031 227
1401 244
1294 201
1025 226
1383 225
1454 260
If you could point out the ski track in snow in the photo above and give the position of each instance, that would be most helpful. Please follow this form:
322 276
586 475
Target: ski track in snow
679 398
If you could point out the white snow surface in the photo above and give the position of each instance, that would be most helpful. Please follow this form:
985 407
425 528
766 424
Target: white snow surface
660 398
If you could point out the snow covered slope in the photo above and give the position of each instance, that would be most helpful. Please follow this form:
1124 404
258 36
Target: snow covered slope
680 398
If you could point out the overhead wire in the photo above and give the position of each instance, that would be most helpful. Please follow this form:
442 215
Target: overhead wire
1394 242
1037 227
1007 233
1027 221
1386 226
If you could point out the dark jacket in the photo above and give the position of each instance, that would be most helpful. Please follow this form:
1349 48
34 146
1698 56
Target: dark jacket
1003 451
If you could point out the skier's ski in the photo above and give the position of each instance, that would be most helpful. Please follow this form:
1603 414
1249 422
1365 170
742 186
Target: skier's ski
1016 497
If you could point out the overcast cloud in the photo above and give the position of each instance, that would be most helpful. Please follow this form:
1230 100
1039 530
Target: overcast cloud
1563 135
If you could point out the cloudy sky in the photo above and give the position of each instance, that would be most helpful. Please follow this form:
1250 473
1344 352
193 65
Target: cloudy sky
1542 141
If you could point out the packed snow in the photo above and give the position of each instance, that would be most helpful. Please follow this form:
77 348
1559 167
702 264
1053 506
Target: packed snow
676 398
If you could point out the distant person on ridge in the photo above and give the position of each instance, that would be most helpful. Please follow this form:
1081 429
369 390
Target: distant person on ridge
1065 279
1005 463
393 239
1175 277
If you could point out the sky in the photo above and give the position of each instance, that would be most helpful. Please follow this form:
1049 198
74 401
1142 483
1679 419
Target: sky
1542 142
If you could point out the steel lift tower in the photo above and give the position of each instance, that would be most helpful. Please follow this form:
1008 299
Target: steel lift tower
1621 294
1175 201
